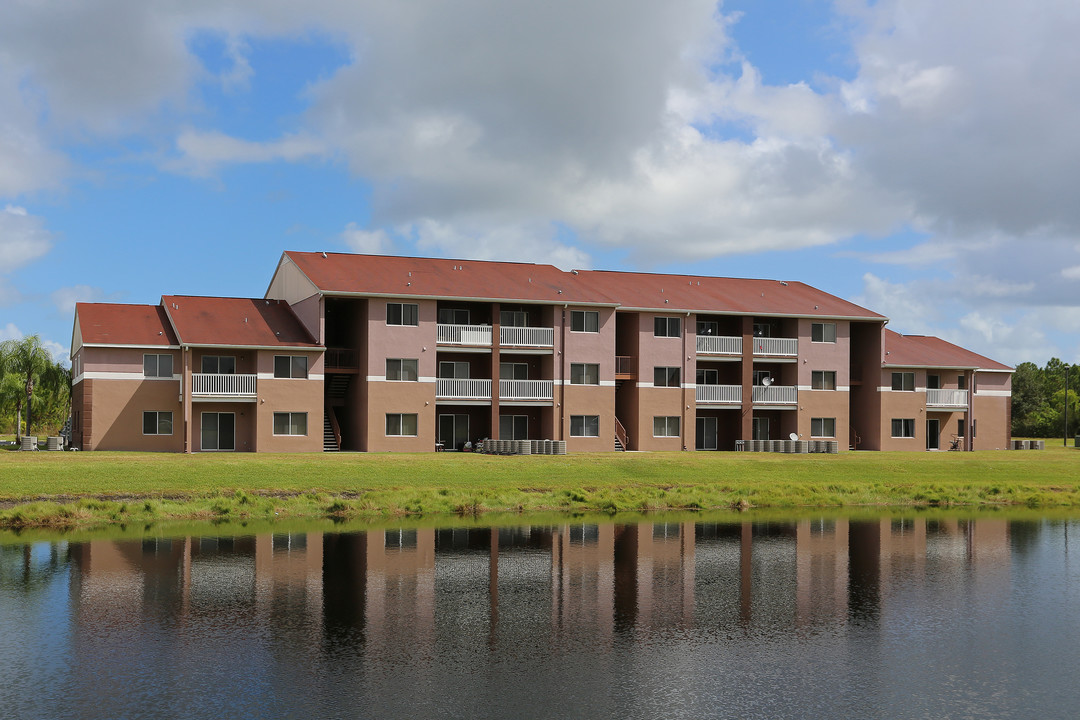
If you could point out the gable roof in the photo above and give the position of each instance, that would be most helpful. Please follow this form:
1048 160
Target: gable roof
393 276
235 322
930 351
703 294
117 324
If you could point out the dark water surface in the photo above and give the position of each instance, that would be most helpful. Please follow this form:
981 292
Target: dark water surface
913 618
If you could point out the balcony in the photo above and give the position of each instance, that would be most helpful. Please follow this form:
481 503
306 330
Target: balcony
537 337
342 359
223 385
526 390
625 367
776 347
946 398
479 335
776 394
719 394
460 389
719 345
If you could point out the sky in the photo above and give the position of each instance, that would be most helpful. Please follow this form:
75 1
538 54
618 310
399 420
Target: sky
916 157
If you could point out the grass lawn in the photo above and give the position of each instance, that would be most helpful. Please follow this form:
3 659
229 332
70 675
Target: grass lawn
69 488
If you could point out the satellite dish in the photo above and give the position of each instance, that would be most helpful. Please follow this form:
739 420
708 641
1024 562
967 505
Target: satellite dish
793 436
766 381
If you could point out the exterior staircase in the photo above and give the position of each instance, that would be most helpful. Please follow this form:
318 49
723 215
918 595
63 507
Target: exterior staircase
329 443
337 386
621 438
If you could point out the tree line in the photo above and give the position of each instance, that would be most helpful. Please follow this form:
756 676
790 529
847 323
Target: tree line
1039 398
35 390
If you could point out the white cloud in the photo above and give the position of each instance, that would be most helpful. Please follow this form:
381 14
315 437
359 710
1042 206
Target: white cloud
201 153
368 242
65 298
23 237
10 332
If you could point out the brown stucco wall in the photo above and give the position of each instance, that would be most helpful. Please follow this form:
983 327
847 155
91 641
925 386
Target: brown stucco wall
114 419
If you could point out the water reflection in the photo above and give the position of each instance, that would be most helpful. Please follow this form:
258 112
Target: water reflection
466 621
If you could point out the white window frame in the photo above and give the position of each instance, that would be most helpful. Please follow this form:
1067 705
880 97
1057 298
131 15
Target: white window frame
290 424
667 321
825 332
513 367
292 367
667 371
157 422
400 370
903 381
819 427
584 426
157 365
585 316
579 373
401 424
904 424
218 359
402 315
668 420
819 377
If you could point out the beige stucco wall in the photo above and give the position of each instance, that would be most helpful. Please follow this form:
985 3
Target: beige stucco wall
117 414
590 400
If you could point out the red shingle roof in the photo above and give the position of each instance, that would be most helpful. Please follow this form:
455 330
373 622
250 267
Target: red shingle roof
115 324
722 295
439 278
236 322
929 351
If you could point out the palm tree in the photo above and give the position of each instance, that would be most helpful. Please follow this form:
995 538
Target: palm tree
28 359
11 395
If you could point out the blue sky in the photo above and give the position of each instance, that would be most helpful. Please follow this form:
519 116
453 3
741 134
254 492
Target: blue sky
917 157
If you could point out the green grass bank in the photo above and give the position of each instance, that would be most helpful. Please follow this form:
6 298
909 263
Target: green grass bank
50 489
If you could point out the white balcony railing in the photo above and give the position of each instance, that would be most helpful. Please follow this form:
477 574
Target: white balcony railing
784 347
222 385
526 390
946 398
464 334
776 394
463 389
723 394
719 345
526 336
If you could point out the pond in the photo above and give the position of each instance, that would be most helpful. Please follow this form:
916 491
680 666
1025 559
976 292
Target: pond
920 616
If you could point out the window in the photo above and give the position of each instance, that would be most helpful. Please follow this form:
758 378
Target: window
513 318
761 375
823 427
584 374
401 424
290 366
903 427
823 379
405 369
708 327
933 382
513 427
762 330
961 382
513 371
157 366
448 316
584 321
584 426
708 376
666 377
823 332
665 426
156 423
290 423
453 370
667 327
904 381
219 364
402 314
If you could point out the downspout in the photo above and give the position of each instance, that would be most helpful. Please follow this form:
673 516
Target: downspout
684 360
969 431
562 377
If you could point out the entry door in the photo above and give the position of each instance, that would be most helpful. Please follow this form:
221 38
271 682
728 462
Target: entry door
218 431
453 430
706 433
761 428
933 434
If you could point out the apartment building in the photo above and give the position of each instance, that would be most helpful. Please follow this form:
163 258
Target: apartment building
378 353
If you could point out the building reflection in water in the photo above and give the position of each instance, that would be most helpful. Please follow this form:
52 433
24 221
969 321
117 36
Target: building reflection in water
528 585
